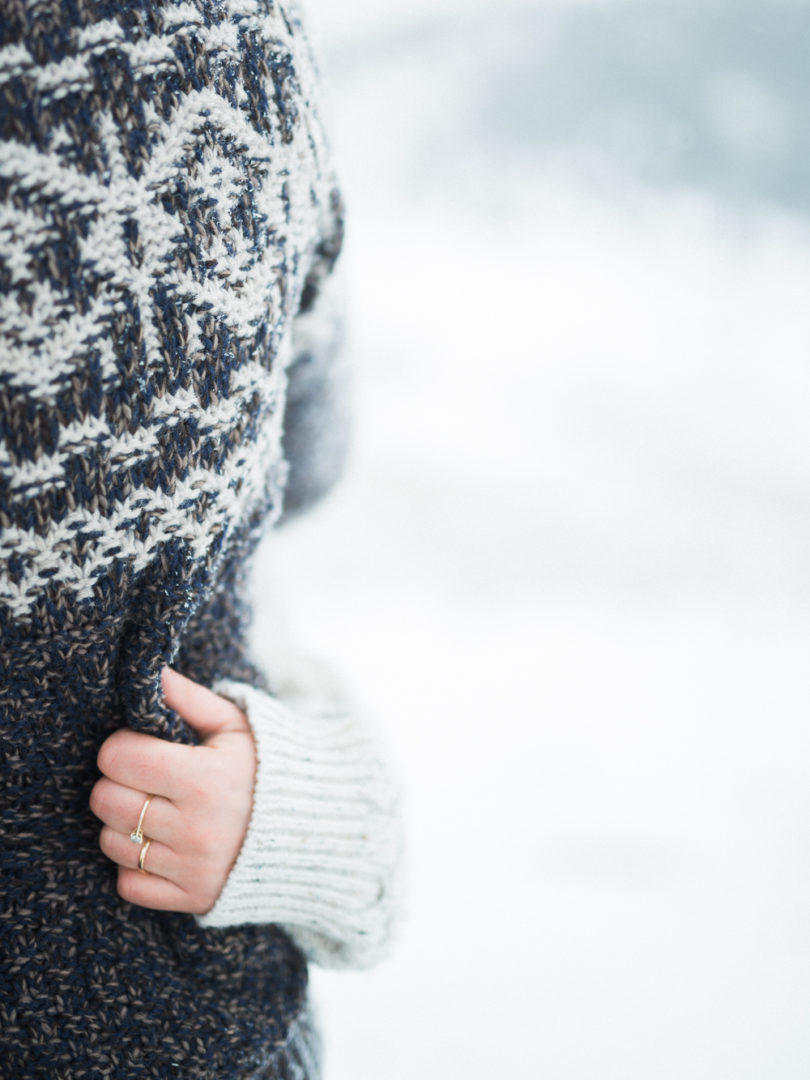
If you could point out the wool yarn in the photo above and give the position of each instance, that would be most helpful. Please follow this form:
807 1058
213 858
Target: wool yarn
323 853
168 214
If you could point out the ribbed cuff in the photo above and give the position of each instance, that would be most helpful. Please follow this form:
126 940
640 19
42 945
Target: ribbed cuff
322 851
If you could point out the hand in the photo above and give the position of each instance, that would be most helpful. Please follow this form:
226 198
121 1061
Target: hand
202 798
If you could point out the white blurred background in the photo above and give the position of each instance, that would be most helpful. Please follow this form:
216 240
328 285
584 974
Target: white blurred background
569 567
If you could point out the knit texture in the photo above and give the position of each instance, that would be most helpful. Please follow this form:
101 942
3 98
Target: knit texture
167 210
322 852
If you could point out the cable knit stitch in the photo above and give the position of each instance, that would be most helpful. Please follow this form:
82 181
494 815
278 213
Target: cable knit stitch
168 222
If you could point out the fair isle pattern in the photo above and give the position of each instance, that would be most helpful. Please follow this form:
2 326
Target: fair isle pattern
167 212
151 265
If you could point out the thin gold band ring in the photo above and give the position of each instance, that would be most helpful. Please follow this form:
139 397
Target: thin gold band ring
142 856
137 835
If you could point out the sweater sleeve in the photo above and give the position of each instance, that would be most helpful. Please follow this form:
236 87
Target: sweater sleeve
317 413
322 854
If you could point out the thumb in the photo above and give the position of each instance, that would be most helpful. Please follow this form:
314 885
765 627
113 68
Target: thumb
207 712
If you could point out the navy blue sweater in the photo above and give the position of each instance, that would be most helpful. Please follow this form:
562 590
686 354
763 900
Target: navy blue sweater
168 219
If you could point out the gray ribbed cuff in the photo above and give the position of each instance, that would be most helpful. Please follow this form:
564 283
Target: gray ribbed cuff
322 851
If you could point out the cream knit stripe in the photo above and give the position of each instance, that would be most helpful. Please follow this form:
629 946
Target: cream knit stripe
146 55
31 168
172 520
224 276
21 232
237 291
340 823
171 509
73 74
333 849
334 737
331 778
322 848
310 898
41 364
168 412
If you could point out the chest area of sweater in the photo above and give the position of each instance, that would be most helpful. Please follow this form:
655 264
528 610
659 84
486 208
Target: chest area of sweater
161 188
155 476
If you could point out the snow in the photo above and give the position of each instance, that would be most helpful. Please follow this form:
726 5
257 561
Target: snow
568 566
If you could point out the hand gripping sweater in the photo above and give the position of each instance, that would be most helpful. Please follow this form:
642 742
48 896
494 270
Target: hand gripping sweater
168 227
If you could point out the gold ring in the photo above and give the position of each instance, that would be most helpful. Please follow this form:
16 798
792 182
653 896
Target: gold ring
142 856
137 835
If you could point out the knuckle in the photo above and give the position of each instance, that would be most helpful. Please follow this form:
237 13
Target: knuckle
106 841
198 785
201 883
208 854
196 861
193 899
198 852
206 896
185 903
234 716
127 886
100 798
96 801
210 842
203 836
110 753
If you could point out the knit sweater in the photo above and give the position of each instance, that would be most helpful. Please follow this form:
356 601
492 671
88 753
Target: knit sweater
169 223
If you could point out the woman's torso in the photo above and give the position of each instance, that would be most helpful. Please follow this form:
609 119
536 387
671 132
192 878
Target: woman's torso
164 192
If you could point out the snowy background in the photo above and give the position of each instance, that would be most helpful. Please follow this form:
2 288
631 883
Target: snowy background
569 568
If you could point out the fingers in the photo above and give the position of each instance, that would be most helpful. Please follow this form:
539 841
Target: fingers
207 712
120 808
145 763
200 807
148 890
159 858
153 874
